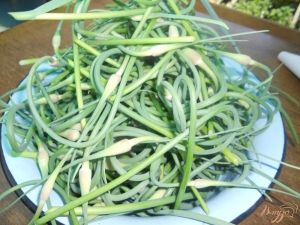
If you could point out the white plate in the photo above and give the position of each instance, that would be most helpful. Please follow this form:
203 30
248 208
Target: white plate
229 205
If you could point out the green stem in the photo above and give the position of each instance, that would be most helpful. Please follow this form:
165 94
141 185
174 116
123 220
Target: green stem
143 41
88 16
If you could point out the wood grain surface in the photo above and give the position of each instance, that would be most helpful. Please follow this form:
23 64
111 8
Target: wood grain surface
33 39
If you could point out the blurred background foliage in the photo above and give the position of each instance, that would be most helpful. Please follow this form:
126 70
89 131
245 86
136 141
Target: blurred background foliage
284 12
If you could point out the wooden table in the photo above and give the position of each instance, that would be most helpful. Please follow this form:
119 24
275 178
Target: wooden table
33 39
